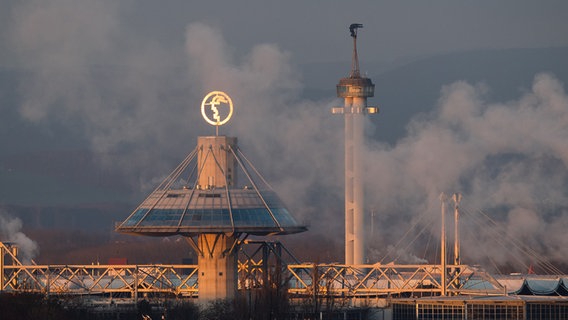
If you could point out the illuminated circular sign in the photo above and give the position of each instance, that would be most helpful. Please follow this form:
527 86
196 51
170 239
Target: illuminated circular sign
217 108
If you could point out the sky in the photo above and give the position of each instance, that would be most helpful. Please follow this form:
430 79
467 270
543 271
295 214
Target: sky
393 29
128 77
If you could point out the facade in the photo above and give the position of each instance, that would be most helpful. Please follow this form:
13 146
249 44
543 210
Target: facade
481 308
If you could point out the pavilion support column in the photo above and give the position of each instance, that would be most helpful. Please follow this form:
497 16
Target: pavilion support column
217 265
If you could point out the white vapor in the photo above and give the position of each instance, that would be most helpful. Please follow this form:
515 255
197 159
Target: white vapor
121 92
294 142
509 158
10 230
137 104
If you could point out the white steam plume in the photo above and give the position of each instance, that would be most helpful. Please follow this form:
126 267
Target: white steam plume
139 111
137 104
119 90
10 230
509 158
294 142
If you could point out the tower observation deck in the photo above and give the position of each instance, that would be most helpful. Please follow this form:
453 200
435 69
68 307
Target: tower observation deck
354 90
204 200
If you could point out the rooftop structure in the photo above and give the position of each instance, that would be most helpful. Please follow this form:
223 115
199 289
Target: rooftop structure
204 200
203 195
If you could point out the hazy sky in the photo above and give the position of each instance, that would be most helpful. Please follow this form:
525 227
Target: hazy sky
317 30
129 76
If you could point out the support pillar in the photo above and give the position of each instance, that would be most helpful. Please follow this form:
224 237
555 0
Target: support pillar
217 265
354 192
2 253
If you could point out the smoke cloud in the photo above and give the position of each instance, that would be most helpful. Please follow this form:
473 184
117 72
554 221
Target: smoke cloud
508 159
120 92
137 105
10 230
294 142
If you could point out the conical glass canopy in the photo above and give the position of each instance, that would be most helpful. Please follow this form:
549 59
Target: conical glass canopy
203 195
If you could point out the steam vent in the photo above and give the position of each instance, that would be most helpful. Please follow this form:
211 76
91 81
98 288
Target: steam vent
215 198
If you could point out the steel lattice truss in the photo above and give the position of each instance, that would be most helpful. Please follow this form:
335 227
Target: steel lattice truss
303 279
300 279
386 280
102 279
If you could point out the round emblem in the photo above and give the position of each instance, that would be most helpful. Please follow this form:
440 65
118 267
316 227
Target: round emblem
217 108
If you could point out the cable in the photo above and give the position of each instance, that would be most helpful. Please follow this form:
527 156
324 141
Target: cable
499 234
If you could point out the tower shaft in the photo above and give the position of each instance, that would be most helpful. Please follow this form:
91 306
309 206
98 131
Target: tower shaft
217 265
215 162
354 193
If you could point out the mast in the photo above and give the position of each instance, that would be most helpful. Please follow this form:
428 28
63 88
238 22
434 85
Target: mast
354 90
443 264
457 255
355 60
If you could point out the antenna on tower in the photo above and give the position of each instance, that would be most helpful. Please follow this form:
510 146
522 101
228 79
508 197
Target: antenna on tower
353 28
355 61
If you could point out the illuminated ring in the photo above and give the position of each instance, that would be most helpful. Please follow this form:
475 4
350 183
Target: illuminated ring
207 101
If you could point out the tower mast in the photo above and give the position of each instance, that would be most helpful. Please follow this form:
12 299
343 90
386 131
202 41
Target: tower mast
354 90
355 59
457 255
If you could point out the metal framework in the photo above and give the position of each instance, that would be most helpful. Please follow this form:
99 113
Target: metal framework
301 280
389 280
102 279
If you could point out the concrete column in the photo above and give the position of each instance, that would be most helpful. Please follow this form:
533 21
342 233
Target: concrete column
217 267
216 163
349 181
358 190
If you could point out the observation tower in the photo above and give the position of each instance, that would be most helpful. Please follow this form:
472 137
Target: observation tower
354 90
215 198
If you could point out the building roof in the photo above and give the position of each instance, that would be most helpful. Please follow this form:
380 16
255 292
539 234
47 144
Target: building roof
180 205
535 285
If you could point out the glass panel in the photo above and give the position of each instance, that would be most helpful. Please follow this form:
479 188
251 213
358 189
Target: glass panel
135 217
162 217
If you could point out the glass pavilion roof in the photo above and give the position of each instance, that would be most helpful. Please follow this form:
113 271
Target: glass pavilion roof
190 209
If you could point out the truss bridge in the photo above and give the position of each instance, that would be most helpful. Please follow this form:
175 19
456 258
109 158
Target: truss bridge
264 267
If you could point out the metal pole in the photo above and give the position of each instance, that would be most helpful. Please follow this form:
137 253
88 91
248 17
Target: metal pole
47 286
1 267
373 223
443 246
265 256
15 262
136 286
457 254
